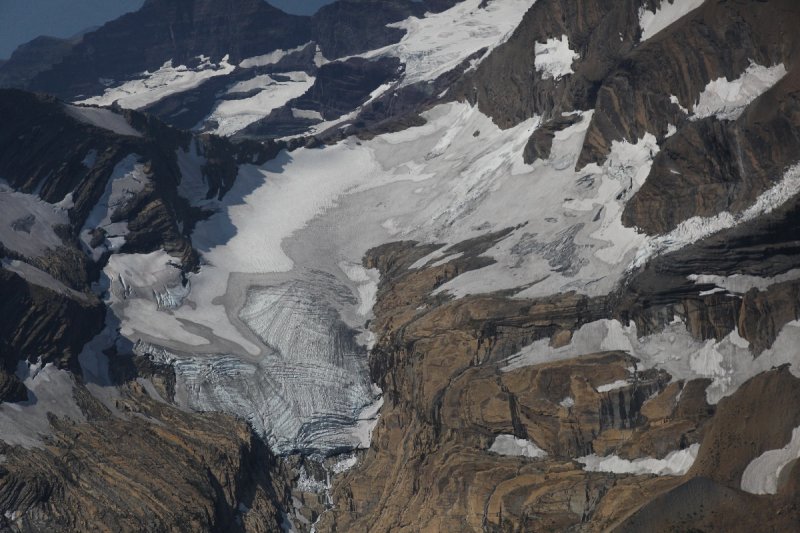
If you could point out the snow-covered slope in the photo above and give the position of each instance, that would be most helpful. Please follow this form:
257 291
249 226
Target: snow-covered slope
439 42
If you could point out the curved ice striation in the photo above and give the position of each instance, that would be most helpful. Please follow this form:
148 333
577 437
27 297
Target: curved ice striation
308 391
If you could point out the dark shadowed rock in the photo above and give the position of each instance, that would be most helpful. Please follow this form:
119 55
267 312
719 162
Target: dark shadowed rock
350 27
177 31
32 58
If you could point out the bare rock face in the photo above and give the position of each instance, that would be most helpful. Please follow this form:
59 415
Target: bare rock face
354 26
32 58
178 31
541 141
508 86
450 392
41 323
746 425
636 97
708 163
155 468
339 88
714 165
11 388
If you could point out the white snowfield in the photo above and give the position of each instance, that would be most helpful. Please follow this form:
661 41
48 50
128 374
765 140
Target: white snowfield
728 363
272 326
677 463
740 283
440 42
764 474
511 445
727 100
554 58
26 222
166 81
102 118
652 22
127 180
233 115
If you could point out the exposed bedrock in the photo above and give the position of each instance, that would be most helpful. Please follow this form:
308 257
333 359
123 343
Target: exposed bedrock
717 40
177 31
69 156
711 165
42 323
765 249
450 392
339 88
759 417
33 57
145 467
712 160
507 85
351 27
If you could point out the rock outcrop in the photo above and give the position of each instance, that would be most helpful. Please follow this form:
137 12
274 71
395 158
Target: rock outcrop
351 27
641 407
146 467
171 31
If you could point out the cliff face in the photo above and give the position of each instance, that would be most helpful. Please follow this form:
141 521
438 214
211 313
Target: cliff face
450 390
94 439
146 466
355 26
172 31
640 84
546 282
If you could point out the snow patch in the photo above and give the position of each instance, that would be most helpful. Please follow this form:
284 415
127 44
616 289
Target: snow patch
26 423
511 445
728 363
308 114
151 87
554 58
35 276
727 100
126 181
101 118
232 116
26 222
440 42
763 474
676 463
652 22
742 283
620 383
272 57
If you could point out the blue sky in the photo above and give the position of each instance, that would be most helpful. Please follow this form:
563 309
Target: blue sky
22 20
